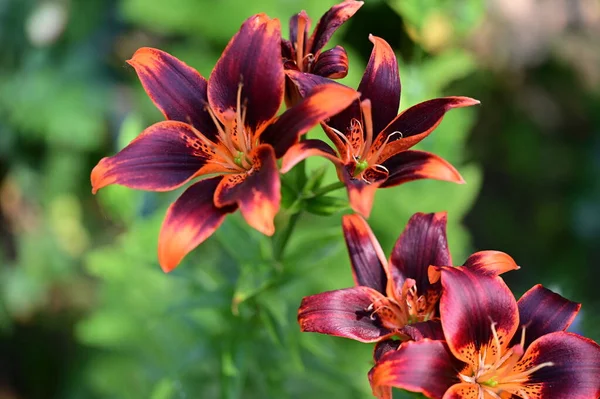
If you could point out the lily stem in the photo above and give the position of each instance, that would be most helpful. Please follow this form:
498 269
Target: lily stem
285 235
326 189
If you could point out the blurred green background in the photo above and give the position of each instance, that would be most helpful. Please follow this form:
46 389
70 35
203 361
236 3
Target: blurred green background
86 312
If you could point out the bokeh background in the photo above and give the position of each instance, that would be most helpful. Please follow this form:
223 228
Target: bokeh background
86 312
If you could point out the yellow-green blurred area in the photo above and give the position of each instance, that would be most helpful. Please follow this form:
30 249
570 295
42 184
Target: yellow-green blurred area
86 312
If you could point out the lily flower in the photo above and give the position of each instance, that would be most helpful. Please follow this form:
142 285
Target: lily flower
495 347
226 128
390 295
372 143
305 53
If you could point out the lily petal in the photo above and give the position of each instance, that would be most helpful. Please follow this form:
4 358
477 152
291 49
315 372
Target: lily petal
368 260
431 329
190 220
381 84
360 194
385 346
176 89
417 122
322 102
415 165
332 64
470 303
418 366
304 149
163 157
253 59
422 243
542 311
343 313
491 262
575 369
299 19
257 192
305 82
330 22
464 391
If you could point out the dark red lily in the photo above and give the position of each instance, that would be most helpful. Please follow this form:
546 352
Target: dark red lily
226 126
373 142
305 53
495 347
389 295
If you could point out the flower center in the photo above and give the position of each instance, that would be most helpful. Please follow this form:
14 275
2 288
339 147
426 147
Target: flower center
362 152
388 313
234 140
420 307
498 374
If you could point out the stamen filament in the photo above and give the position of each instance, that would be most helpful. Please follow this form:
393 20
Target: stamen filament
300 43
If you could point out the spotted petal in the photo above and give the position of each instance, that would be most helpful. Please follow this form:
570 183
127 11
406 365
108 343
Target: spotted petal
572 371
190 220
343 313
542 311
163 157
470 304
178 90
256 192
418 366
253 59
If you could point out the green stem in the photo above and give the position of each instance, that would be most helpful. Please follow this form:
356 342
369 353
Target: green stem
326 189
285 236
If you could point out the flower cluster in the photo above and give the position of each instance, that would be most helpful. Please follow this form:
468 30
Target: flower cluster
445 331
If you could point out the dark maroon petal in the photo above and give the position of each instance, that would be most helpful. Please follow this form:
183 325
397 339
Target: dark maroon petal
332 63
422 243
178 90
190 220
575 369
471 302
305 82
542 312
303 19
491 262
165 156
322 102
252 58
287 51
360 194
304 149
385 346
330 22
416 165
431 329
419 366
366 256
381 84
416 123
343 313
257 192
